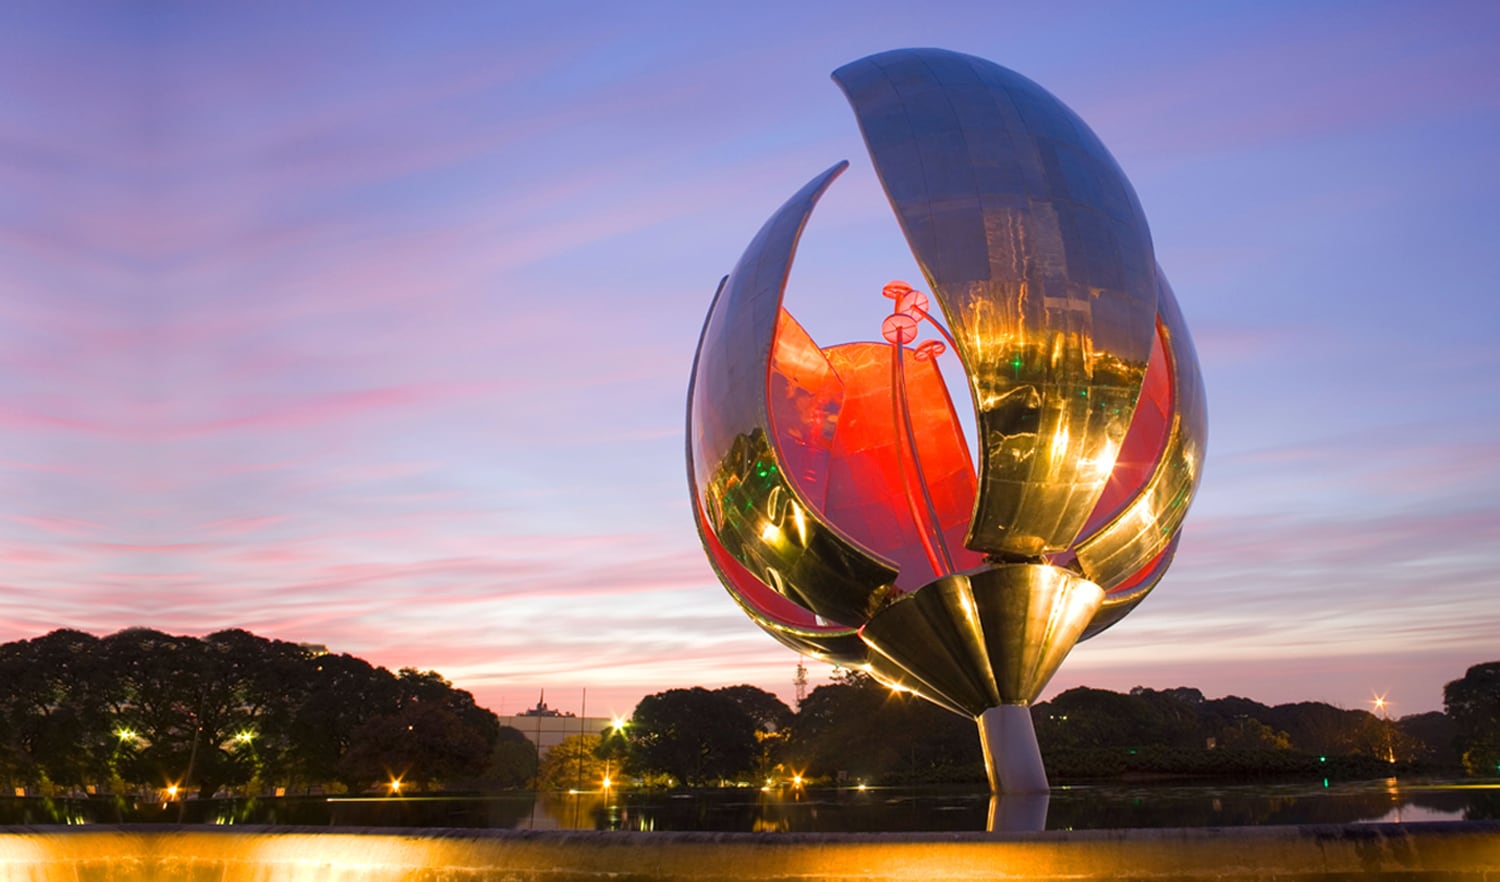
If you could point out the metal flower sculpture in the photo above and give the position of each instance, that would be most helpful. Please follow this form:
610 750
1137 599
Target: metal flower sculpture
833 487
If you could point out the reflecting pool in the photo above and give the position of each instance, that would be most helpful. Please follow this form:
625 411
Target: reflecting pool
816 810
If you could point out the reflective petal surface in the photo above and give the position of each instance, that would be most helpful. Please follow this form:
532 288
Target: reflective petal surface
741 492
834 489
1037 250
1145 527
977 640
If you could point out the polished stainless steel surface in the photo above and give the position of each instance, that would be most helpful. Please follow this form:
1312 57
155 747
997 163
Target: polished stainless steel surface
1037 250
1145 528
975 640
834 490
741 493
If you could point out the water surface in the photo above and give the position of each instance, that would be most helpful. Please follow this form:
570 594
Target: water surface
820 810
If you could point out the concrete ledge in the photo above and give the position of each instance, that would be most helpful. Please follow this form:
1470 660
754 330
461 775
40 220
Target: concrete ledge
1422 851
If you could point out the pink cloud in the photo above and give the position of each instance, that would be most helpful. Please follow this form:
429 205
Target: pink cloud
58 526
243 525
333 407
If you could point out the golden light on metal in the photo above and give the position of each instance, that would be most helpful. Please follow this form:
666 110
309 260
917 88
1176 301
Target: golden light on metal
834 487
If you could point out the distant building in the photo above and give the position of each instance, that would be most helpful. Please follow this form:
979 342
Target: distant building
545 726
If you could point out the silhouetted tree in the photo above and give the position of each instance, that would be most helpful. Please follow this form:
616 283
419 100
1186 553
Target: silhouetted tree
56 710
423 732
343 694
772 720
422 744
251 690
1320 728
857 726
1092 718
769 713
694 735
164 680
232 708
513 761
1431 738
1473 702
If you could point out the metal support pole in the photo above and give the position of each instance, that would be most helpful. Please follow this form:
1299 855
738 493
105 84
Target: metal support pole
1011 754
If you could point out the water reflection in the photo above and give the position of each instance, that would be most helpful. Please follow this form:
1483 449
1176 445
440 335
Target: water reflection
1018 812
818 810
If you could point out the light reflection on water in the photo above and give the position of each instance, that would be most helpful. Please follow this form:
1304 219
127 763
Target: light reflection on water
831 810
910 809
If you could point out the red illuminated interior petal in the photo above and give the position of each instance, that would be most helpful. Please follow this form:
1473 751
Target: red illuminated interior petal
1144 443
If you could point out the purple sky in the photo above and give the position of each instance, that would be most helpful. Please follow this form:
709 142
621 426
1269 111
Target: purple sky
355 326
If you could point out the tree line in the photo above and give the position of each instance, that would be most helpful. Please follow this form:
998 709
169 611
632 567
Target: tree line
856 730
142 709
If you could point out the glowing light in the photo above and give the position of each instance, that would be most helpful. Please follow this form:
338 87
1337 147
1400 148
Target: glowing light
125 734
618 724
395 785
1380 707
862 788
244 737
1104 464
607 782
1060 443
171 791
796 780
770 532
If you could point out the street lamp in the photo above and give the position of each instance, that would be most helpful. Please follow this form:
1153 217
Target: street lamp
1380 707
617 726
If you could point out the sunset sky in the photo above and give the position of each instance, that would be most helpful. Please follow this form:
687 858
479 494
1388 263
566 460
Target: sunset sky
351 325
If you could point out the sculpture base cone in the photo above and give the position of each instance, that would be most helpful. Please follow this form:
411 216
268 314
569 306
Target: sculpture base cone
1011 754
